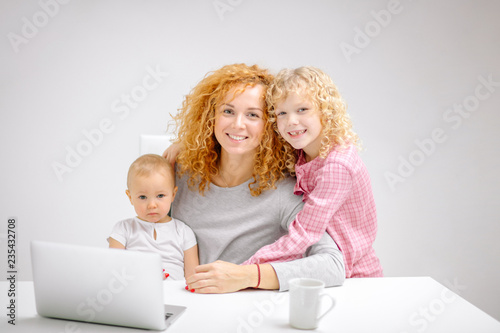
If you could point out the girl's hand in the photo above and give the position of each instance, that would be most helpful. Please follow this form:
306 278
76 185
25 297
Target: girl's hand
170 154
222 277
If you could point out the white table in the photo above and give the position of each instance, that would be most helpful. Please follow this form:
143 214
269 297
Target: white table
408 304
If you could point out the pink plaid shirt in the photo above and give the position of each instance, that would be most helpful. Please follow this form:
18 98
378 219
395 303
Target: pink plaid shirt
337 198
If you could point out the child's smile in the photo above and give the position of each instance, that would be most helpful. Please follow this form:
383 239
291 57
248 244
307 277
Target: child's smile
299 123
297 133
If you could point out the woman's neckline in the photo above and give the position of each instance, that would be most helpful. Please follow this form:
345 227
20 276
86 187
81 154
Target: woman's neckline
246 182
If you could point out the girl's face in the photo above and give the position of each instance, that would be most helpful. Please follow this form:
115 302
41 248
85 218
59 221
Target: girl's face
239 122
299 123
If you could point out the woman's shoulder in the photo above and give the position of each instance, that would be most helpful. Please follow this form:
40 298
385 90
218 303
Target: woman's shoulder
286 184
283 190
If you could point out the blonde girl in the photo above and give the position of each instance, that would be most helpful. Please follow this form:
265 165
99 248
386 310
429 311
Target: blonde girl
311 117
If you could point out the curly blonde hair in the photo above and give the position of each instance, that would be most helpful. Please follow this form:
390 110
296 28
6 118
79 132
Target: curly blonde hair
315 85
195 123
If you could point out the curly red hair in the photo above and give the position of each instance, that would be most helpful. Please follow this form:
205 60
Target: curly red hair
195 123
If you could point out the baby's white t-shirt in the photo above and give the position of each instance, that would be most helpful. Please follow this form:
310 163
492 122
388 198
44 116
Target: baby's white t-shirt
172 239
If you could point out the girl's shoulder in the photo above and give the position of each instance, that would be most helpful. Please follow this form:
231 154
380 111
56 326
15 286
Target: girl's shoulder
346 156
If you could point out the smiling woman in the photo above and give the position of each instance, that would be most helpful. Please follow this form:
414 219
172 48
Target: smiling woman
239 126
228 93
233 187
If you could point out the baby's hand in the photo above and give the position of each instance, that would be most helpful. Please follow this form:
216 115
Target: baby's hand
165 275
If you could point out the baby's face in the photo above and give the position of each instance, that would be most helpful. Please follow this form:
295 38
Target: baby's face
152 196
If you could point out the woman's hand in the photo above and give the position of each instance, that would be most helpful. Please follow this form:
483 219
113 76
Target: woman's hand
170 154
222 277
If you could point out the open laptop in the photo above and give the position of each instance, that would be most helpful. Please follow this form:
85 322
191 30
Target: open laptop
100 285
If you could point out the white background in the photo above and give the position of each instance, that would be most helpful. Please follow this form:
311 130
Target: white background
404 68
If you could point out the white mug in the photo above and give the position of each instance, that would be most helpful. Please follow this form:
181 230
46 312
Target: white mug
305 302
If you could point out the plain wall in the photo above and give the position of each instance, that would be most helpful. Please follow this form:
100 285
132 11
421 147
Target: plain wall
421 79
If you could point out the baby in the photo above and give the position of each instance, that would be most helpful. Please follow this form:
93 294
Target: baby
151 190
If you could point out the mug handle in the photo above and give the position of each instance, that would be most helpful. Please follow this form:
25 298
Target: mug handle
331 305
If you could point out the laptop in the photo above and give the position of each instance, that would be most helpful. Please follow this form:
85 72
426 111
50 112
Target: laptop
100 285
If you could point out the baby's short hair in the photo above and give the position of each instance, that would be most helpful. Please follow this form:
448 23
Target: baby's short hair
149 163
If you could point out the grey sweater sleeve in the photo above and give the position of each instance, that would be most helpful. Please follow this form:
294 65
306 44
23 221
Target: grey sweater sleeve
324 261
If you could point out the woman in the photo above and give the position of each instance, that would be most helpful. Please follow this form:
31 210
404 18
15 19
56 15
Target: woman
233 188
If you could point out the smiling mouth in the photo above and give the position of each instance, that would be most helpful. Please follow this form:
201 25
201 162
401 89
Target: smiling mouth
297 133
237 137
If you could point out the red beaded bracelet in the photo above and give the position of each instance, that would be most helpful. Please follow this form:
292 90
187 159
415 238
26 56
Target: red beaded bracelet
258 271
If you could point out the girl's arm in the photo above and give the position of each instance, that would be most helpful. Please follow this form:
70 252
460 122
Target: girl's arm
170 154
114 244
191 260
310 223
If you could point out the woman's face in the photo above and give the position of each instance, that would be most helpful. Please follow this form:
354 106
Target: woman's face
239 122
